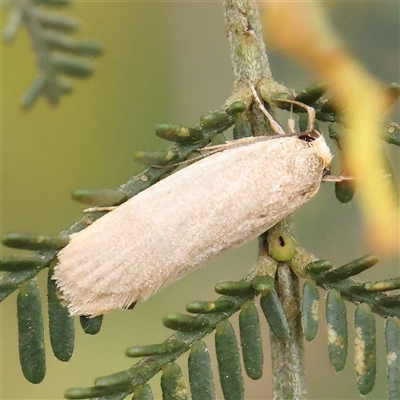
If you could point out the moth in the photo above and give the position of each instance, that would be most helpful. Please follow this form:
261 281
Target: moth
188 218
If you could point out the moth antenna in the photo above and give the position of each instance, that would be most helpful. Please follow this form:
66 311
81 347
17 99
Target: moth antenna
310 112
229 144
178 163
274 125
99 209
242 142
216 149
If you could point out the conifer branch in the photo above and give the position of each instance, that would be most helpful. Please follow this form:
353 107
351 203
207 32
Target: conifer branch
57 53
275 277
238 296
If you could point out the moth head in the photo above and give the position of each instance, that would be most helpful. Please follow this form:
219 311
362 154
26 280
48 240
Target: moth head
317 141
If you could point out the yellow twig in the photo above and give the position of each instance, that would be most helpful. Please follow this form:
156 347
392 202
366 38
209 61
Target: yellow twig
302 31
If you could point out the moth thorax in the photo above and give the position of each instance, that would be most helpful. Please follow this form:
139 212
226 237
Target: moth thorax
322 150
317 141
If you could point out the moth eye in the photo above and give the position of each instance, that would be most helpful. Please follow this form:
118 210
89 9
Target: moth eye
309 136
306 138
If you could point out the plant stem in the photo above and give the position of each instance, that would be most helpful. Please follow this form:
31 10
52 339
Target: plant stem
287 357
248 52
249 60
251 68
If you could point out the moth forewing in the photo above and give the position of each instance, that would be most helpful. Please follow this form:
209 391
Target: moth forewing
185 220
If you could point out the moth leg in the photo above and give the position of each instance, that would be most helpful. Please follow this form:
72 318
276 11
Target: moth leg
274 125
337 178
292 123
341 178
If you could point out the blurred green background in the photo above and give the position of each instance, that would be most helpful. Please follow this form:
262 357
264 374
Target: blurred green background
163 62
